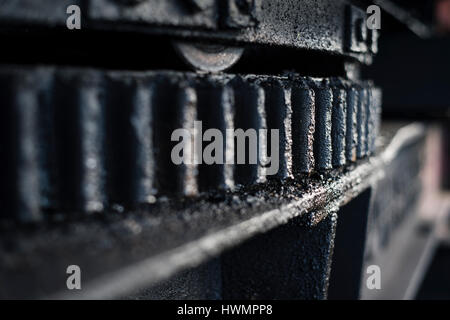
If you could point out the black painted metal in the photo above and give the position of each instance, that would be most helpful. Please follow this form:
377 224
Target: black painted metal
107 138
313 25
348 254
280 263
171 236
87 177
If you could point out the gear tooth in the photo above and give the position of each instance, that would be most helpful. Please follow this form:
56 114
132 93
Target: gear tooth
339 126
215 110
20 180
322 137
361 127
87 139
143 163
303 128
261 117
46 132
367 108
374 116
227 103
249 114
352 124
279 117
91 158
175 108
129 146
188 104
80 146
377 104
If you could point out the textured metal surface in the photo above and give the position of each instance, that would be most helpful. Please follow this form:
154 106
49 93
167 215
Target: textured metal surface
403 222
252 270
172 236
87 174
87 140
348 255
322 25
